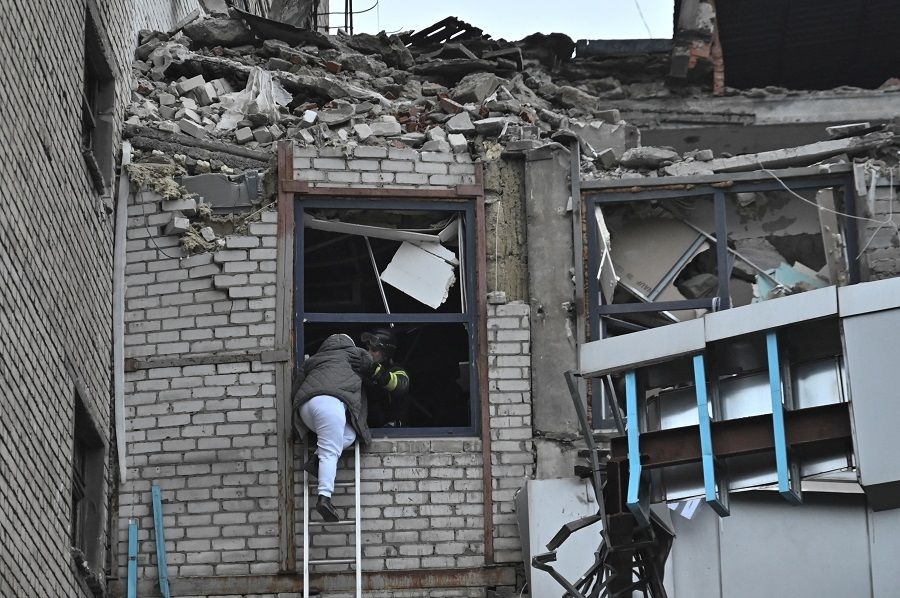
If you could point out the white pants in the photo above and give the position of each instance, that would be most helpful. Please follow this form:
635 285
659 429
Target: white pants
327 417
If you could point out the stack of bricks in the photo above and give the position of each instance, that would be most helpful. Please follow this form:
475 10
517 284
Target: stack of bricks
369 166
204 431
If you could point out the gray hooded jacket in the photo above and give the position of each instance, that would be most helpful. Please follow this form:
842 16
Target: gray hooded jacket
334 371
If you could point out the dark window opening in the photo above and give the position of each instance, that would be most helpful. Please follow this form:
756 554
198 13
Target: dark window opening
87 499
410 270
97 103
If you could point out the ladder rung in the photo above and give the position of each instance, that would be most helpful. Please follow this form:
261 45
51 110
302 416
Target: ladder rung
332 561
315 486
323 523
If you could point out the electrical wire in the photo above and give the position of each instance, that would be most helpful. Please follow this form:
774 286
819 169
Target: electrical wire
890 218
889 221
153 240
637 5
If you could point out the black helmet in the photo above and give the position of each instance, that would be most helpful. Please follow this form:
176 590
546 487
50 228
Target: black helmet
381 339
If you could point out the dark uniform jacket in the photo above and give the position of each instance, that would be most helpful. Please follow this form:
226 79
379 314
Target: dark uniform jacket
329 372
387 391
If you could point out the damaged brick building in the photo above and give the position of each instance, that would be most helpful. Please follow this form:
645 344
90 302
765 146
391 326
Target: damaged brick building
510 208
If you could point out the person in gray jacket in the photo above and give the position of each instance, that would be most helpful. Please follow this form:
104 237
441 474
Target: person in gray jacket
329 402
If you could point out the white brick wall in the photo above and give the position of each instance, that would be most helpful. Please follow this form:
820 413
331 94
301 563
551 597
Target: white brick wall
883 251
370 166
206 432
509 381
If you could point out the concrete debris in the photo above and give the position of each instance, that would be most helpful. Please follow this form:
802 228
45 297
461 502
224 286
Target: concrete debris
476 87
461 123
839 131
418 90
648 157
219 31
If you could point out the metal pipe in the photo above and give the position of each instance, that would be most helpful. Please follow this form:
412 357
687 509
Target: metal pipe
118 324
387 308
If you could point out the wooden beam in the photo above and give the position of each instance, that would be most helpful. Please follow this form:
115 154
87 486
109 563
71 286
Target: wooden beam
284 294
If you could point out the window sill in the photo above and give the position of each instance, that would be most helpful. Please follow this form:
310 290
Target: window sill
470 444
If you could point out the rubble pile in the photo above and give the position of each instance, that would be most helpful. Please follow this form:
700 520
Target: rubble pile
225 84
214 82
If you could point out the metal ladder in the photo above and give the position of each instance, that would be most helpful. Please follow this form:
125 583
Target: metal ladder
355 522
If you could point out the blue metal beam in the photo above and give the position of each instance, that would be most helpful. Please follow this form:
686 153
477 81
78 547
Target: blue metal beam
788 478
716 490
633 500
161 564
132 559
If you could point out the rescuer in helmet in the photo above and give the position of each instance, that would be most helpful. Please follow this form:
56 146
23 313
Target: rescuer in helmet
385 383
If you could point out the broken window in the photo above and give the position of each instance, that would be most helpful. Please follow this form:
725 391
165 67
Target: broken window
86 523
97 101
403 266
654 257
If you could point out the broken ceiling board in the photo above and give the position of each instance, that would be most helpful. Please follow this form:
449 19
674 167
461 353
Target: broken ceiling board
648 255
648 252
438 250
606 274
420 274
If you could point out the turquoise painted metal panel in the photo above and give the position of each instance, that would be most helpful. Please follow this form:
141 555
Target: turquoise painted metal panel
716 490
132 559
788 480
161 564
633 500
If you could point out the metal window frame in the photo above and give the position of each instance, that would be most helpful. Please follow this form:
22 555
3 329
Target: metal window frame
469 317
717 186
